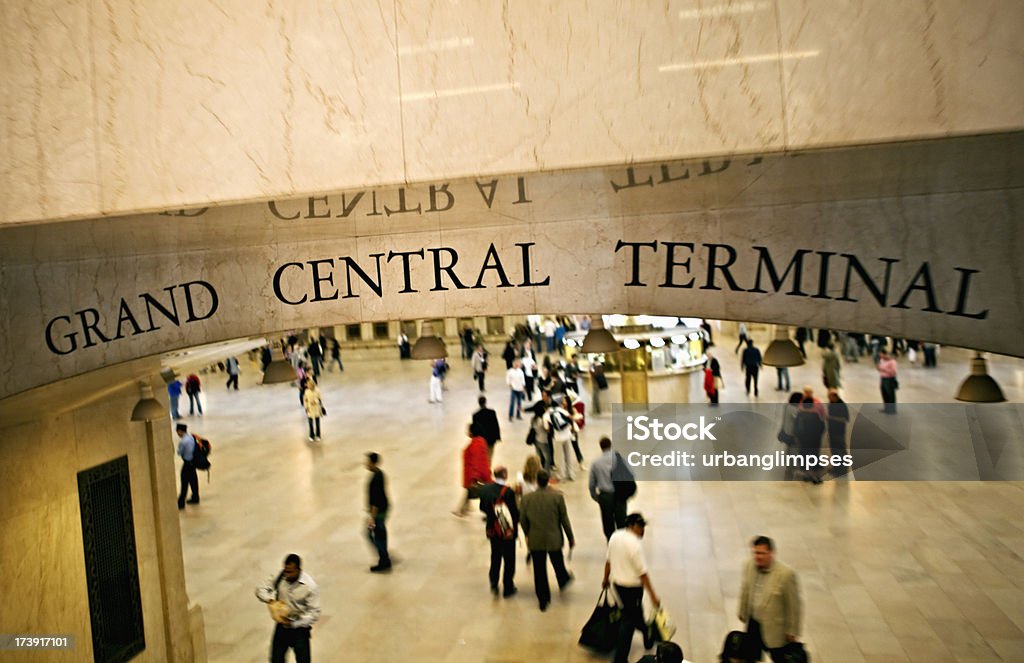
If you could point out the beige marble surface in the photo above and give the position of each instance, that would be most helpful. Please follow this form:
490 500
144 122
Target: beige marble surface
491 87
41 550
114 109
898 70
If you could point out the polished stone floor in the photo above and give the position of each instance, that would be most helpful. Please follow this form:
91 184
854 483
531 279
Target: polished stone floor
922 572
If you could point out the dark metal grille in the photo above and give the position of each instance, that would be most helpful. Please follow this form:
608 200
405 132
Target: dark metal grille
111 565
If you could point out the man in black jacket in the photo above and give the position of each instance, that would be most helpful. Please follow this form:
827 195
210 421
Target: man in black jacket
501 533
377 505
486 421
750 360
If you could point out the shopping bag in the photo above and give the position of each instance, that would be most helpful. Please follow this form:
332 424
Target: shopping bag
602 629
659 627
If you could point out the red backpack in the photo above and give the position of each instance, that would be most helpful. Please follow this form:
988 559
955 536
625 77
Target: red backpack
502 527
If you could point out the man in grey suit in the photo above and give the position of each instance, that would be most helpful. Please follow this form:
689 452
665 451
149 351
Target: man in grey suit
769 602
543 518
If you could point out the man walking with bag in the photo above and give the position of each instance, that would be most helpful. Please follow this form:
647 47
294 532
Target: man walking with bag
626 568
770 603
605 492
498 502
294 600
189 478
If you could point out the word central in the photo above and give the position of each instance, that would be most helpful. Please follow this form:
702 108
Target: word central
292 278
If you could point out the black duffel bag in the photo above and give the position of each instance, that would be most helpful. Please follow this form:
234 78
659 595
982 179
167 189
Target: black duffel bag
602 629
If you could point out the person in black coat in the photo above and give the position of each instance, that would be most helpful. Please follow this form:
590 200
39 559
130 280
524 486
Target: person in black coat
801 338
751 363
502 549
486 421
809 429
838 415
510 353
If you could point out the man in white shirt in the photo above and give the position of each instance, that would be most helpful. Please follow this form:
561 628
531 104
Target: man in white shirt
529 368
295 597
516 381
626 567
549 334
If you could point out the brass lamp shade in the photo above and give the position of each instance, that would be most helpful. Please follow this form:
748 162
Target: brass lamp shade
979 387
148 408
782 352
278 371
428 346
599 340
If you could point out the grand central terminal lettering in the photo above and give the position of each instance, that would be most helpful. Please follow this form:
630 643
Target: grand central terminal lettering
890 283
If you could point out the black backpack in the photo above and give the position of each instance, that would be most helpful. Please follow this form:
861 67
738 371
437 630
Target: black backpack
201 454
622 476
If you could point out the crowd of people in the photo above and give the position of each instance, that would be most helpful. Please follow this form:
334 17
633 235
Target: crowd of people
543 386
883 351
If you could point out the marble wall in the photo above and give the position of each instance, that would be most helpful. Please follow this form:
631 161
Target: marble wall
41 550
792 240
113 108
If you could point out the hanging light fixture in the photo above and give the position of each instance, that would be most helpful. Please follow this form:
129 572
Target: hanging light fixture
148 408
980 387
428 346
782 352
278 371
599 340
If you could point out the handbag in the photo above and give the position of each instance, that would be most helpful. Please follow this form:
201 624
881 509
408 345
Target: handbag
602 629
623 478
531 437
719 383
279 611
659 627
794 652
323 410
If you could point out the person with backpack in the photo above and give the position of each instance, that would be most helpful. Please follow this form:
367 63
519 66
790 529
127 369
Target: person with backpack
604 490
189 477
192 388
560 426
231 366
498 502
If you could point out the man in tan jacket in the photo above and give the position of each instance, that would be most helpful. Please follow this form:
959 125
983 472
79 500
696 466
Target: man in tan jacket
769 602
543 518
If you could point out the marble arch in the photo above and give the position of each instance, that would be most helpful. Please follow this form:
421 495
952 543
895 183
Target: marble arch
789 238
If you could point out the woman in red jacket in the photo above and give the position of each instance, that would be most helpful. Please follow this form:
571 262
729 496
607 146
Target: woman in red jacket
709 386
476 468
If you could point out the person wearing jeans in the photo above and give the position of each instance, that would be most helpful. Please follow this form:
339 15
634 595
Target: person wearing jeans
516 381
782 373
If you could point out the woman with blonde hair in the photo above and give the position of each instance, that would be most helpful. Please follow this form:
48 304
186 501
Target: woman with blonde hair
314 408
527 479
